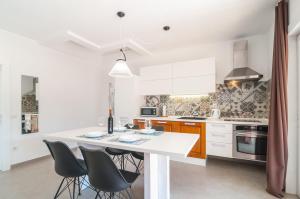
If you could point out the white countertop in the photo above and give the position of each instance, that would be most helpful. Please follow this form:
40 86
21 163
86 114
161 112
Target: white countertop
209 120
177 144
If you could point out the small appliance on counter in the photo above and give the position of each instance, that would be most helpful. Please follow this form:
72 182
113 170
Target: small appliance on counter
149 111
215 113
164 111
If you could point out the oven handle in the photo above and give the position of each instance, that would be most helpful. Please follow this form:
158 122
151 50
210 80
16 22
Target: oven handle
250 135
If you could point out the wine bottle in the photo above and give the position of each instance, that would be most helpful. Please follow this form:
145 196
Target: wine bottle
110 125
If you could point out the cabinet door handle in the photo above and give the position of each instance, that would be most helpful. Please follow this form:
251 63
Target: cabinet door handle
141 121
219 125
159 122
218 135
218 145
189 124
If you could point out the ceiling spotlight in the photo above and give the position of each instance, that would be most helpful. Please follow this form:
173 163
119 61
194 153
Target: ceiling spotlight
166 28
120 14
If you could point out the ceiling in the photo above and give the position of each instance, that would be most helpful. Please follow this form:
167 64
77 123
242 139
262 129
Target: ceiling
95 21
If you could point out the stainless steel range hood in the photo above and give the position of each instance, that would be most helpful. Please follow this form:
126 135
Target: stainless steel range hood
241 71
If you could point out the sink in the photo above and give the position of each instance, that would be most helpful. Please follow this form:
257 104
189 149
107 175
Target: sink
192 118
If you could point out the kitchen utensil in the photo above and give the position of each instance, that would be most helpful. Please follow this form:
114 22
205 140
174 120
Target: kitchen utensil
215 113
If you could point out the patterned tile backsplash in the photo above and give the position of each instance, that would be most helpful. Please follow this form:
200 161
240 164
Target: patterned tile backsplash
243 100
29 104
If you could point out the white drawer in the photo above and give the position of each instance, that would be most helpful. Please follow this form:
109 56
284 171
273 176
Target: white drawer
219 137
219 127
219 149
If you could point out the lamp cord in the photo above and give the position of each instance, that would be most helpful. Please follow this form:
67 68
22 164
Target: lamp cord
123 55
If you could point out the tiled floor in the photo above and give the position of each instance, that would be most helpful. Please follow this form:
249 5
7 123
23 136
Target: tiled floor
219 180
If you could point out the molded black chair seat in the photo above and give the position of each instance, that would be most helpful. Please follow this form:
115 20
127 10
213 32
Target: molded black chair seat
103 173
66 165
82 164
130 177
138 155
113 151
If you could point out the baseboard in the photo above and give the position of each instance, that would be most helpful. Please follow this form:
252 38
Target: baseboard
190 160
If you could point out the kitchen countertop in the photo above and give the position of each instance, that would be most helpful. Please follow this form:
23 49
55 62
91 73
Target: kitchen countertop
170 144
208 120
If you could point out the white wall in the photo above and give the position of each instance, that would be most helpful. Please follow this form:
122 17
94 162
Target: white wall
127 99
294 17
259 55
70 90
291 178
293 175
5 116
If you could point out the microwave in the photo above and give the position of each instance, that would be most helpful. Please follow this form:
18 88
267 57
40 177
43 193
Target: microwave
149 111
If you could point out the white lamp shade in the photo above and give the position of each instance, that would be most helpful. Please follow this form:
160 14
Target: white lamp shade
120 69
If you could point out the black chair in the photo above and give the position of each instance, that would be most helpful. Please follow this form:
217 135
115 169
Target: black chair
104 175
67 166
140 156
120 155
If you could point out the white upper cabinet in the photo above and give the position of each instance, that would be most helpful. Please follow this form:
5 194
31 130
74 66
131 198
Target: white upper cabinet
194 85
156 72
194 68
196 77
155 87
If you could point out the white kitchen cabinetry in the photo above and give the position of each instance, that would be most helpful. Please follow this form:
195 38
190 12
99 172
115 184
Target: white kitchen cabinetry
196 77
219 139
194 68
156 72
155 87
156 80
194 85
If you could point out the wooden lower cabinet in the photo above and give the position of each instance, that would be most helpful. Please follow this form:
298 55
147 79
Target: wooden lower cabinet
139 123
167 125
199 149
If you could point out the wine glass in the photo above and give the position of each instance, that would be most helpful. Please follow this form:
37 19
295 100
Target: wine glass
130 124
148 124
101 121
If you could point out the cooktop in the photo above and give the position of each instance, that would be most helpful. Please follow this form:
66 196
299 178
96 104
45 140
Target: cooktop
192 118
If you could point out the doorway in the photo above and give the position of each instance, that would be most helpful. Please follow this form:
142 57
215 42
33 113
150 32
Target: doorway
4 118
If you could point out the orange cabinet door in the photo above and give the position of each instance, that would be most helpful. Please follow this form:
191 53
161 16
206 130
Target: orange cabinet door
139 123
167 125
199 149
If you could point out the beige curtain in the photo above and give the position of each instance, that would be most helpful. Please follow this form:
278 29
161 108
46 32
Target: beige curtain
277 153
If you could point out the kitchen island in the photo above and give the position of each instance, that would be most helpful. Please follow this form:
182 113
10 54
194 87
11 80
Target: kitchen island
157 150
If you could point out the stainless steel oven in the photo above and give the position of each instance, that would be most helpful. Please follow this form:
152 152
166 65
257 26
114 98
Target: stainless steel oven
149 111
250 142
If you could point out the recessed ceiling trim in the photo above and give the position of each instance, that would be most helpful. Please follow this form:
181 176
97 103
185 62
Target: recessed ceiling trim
126 43
82 41
138 48
71 37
